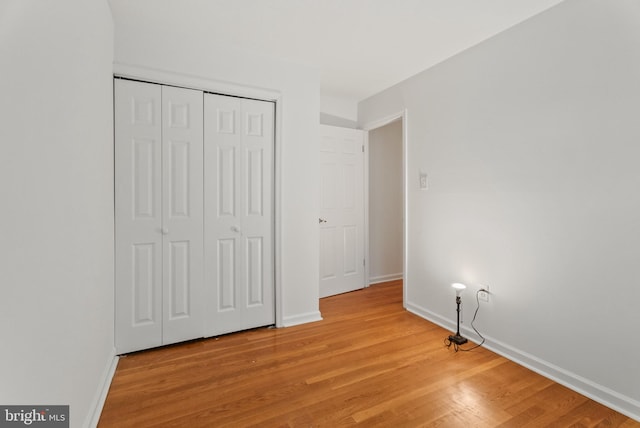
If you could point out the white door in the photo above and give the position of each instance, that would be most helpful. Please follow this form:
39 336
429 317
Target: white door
159 215
138 215
341 219
239 182
182 214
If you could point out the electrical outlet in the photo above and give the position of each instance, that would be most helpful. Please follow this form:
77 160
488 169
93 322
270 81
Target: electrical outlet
483 294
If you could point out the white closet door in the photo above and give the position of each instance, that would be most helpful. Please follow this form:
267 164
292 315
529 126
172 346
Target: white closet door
138 215
239 261
182 213
159 215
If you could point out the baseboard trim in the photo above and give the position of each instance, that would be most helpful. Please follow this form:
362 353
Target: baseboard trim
301 319
101 395
603 395
385 278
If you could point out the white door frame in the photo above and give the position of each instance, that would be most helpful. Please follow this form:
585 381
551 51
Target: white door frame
154 75
368 127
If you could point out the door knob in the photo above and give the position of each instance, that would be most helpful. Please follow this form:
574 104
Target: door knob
165 231
235 229
321 220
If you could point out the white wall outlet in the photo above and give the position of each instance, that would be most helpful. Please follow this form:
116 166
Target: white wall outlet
483 294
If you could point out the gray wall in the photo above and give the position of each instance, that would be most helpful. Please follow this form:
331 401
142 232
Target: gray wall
56 182
385 203
531 143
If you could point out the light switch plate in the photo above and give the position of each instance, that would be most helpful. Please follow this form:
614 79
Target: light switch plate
424 184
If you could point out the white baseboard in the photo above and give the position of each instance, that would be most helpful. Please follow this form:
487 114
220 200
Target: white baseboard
384 278
101 395
603 395
301 319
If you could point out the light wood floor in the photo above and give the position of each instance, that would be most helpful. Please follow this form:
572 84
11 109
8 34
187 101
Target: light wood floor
369 363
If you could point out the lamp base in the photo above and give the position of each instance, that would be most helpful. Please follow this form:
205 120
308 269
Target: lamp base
458 340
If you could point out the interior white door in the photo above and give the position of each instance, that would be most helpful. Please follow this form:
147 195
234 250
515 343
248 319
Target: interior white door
239 182
138 215
341 219
159 215
182 214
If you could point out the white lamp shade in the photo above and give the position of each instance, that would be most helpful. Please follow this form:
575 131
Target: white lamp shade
458 287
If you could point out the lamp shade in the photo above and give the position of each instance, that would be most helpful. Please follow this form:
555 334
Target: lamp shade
458 287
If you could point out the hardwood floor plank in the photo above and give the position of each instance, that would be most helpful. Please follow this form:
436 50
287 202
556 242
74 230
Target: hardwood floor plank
368 363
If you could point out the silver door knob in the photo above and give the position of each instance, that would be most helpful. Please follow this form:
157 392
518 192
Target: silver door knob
235 229
165 231
321 220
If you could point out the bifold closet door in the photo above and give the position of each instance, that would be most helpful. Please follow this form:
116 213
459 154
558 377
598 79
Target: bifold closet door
159 215
182 214
239 182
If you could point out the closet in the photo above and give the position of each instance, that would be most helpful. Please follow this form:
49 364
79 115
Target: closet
193 214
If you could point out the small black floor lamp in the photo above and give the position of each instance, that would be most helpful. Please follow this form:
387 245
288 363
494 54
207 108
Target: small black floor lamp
457 338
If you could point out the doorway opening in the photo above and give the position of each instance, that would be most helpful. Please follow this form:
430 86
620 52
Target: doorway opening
385 201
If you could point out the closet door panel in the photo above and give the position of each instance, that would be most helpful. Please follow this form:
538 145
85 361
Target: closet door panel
238 213
182 209
138 216
257 208
159 215
223 220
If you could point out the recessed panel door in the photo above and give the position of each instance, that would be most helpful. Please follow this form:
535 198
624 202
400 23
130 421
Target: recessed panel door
182 209
138 215
159 215
239 260
341 217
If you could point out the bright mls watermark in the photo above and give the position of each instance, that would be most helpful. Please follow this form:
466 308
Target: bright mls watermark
34 416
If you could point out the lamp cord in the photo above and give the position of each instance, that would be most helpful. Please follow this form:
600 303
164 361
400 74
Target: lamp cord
457 347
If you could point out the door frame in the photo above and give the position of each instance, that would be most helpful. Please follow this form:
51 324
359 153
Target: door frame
368 127
163 77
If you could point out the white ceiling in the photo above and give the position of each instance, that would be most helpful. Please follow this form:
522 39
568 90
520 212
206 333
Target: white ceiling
360 46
